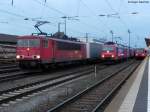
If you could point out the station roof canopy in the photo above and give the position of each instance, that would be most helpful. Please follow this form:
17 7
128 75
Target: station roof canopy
147 40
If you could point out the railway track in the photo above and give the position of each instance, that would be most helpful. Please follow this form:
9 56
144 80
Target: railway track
12 74
17 75
8 66
9 70
96 96
33 88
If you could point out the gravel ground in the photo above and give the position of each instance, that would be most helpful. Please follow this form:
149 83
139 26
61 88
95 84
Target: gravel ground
31 79
48 99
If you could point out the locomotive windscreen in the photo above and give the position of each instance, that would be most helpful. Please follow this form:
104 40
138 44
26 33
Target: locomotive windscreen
140 50
28 43
106 48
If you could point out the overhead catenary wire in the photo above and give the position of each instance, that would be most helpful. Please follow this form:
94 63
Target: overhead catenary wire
44 3
51 8
120 18
96 15
60 12
23 17
119 8
78 7
12 13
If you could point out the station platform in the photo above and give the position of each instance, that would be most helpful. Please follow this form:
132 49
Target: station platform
134 96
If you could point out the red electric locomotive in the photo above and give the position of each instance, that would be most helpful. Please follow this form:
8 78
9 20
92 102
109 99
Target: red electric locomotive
42 50
112 51
140 53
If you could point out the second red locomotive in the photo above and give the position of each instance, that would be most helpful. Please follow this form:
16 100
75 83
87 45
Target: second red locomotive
116 52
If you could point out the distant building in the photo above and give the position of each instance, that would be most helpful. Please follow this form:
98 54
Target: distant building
8 39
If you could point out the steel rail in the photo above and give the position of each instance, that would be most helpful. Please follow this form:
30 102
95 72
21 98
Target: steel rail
77 96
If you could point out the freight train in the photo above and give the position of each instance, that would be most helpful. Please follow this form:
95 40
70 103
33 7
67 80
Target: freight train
43 50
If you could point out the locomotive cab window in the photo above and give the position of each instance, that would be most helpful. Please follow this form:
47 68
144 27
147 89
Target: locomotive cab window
28 43
45 43
108 48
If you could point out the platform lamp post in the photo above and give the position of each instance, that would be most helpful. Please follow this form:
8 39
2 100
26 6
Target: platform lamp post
119 39
129 32
12 2
69 18
112 34
87 37
59 26
65 21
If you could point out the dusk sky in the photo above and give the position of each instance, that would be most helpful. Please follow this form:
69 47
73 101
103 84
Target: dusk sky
87 20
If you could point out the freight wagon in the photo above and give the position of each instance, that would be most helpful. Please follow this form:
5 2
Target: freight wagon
7 51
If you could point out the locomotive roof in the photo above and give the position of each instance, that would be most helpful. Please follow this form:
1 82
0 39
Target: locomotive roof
47 37
115 44
140 48
109 43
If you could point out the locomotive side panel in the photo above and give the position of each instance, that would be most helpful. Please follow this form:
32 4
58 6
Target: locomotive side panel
68 51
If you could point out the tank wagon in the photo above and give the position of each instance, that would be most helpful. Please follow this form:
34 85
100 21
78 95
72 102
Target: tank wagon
93 49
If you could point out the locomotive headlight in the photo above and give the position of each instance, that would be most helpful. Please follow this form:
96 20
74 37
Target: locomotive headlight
112 56
18 56
103 56
28 49
38 57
